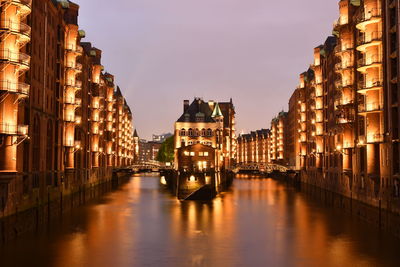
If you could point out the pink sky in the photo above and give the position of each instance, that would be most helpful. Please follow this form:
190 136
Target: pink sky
165 51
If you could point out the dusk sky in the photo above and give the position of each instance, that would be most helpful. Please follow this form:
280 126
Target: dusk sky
165 51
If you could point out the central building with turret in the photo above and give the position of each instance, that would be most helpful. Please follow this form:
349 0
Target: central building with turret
211 124
205 148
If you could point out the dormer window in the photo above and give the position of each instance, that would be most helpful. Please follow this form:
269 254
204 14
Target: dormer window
200 117
187 117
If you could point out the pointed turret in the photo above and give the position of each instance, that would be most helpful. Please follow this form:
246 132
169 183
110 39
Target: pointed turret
217 113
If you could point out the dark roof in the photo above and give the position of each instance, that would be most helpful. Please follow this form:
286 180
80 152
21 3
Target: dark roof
197 106
254 134
135 134
330 43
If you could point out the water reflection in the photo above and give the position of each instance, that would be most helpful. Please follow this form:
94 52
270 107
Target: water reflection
258 223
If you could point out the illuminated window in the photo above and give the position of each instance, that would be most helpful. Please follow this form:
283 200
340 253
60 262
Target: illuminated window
192 153
201 154
206 154
186 153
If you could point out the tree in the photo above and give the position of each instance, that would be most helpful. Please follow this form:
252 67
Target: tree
166 152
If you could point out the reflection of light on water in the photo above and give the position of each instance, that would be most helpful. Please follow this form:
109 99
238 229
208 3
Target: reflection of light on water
162 180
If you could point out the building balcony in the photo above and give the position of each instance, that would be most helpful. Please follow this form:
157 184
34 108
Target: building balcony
374 107
69 118
345 65
374 84
75 49
9 57
342 48
13 129
369 17
72 101
340 84
343 119
374 61
24 5
375 138
368 40
19 28
76 84
77 67
21 89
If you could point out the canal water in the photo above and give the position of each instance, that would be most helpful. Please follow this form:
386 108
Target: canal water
259 222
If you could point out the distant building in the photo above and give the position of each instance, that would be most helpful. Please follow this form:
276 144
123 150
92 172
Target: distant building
254 147
278 139
148 151
162 137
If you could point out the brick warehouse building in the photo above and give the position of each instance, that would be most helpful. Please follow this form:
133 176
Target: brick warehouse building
63 124
343 119
254 147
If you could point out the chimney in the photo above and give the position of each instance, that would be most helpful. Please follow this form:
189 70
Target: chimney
211 104
185 105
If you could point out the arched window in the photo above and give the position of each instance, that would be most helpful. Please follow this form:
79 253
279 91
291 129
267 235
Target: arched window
197 132
182 132
203 132
190 132
209 132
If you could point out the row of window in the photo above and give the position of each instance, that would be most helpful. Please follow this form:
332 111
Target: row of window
192 154
206 143
196 132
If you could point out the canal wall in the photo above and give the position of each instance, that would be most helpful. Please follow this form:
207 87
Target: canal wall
44 210
372 213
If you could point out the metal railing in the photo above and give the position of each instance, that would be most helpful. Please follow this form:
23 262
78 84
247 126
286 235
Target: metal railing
15 57
16 27
375 138
376 82
370 107
368 15
369 38
13 129
370 60
343 65
344 46
19 88
73 65
74 48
